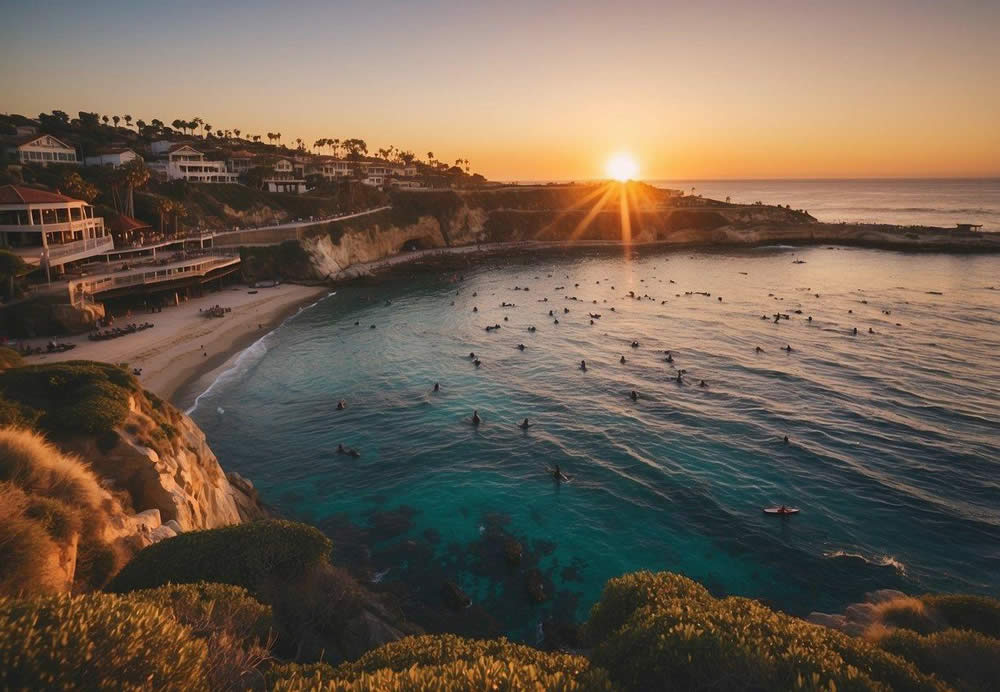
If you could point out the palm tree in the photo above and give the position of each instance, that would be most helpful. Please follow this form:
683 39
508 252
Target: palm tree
727 199
236 132
128 121
334 145
207 129
179 124
106 119
277 136
298 141
132 175
158 124
116 119
195 122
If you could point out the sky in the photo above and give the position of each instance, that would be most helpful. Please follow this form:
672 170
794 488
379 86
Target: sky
544 90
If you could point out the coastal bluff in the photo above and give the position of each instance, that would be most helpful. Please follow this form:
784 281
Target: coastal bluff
110 468
566 216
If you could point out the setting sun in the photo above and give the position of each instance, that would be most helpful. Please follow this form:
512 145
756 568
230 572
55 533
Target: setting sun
622 167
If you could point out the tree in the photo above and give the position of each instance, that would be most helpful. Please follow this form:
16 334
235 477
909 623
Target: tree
128 121
116 119
179 124
77 187
236 132
132 175
206 128
11 267
298 141
88 120
194 123
106 119
158 124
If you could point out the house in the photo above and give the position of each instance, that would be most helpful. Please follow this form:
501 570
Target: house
112 158
286 178
48 229
42 149
27 130
239 162
330 168
162 146
184 162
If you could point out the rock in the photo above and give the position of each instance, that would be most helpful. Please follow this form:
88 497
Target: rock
174 526
512 551
161 532
861 613
454 597
535 584
884 596
147 520
834 621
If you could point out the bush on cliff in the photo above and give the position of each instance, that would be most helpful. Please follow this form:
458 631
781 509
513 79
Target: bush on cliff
63 399
247 555
9 358
649 628
965 659
96 641
447 662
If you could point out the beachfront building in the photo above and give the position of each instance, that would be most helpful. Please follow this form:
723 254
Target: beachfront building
184 162
376 174
43 150
331 168
239 162
48 229
112 158
286 178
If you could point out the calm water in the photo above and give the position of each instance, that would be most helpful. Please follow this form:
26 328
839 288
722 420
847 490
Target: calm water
895 436
922 202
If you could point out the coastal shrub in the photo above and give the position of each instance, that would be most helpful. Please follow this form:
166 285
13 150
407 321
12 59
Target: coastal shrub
437 649
247 555
674 631
965 659
9 358
236 628
458 676
96 641
38 468
965 612
59 520
62 399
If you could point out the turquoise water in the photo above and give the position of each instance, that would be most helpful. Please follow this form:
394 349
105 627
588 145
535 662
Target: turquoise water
894 452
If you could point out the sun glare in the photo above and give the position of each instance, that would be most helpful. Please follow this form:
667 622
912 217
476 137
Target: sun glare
622 167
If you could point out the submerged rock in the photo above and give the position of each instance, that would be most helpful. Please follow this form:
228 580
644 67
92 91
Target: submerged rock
454 597
535 584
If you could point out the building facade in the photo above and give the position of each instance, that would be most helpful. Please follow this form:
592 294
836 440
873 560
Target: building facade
43 150
112 158
49 229
184 162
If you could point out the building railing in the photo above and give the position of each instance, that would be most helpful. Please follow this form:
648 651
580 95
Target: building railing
81 288
59 226
78 246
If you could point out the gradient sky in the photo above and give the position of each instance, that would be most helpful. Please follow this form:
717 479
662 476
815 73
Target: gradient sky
544 90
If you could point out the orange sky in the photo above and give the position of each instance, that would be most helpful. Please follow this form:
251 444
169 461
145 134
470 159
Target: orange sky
546 90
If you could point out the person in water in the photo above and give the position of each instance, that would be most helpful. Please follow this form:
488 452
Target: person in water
703 384
341 405
437 387
786 439
525 424
622 360
557 473
634 395
476 420
583 365
680 379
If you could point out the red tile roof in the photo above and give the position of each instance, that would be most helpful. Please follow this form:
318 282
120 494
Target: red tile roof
119 223
18 194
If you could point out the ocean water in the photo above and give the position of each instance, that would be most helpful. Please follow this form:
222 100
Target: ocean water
894 435
922 202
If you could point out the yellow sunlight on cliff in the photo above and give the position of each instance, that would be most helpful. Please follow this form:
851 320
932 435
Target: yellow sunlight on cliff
622 167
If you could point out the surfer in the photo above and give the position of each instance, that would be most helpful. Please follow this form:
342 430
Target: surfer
557 473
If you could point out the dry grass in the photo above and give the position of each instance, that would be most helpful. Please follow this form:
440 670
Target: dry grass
26 549
38 468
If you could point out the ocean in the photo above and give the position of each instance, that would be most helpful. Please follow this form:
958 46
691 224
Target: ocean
919 202
894 432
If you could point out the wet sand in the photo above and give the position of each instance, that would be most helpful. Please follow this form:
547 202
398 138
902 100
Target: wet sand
185 345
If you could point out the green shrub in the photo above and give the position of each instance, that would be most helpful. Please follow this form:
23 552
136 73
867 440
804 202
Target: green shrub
96 641
62 399
458 676
976 613
437 649
968 660
673 631
247 555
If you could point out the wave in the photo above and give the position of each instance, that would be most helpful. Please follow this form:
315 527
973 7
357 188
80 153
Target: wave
251 355
878 560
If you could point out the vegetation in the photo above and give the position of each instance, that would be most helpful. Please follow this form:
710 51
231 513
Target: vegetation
12 268
247 555
64 399
50 503
9 358
96 641
965 659
648 628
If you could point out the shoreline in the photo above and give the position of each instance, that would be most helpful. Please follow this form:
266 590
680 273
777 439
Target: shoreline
184 345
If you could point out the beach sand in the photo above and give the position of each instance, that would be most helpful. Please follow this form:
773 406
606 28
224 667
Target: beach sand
185 348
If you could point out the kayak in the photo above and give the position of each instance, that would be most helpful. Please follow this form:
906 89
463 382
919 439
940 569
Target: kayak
781 512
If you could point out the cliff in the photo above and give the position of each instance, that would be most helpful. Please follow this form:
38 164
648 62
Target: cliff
146 467
572 215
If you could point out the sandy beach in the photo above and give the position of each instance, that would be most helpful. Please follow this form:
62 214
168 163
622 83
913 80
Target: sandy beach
185 347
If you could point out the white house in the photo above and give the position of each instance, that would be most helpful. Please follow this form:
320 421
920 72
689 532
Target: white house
112 158
331 168
49 229
43 149
162 146
184 162
285 179
239 162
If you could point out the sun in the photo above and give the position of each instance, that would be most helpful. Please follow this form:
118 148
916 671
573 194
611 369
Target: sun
622 167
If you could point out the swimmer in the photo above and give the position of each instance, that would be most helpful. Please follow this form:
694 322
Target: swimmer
787 348
520 347
679 378
525 424
703 384
475 309
472 355
341 405
634 396
855 331
583 365
786 439
622 360
340 449
477 362
437 387
476 420
635 344
758 350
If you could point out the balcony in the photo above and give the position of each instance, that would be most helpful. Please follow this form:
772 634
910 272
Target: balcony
66 252
150 275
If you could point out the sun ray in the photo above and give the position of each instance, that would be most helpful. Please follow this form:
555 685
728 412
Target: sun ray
597 192
592 214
